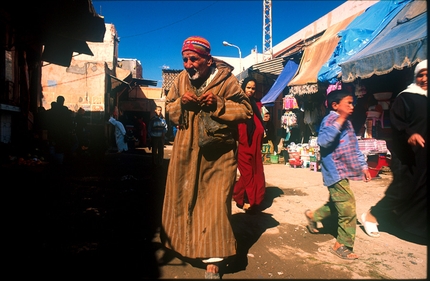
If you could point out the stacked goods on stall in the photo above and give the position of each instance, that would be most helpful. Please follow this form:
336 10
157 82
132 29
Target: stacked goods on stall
288 121
301 155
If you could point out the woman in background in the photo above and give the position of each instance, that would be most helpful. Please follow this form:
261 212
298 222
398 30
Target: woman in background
249 190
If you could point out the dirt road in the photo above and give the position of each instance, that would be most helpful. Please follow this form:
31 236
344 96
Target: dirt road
277 245
98 219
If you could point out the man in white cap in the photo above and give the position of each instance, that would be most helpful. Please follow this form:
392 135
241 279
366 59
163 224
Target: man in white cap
406 197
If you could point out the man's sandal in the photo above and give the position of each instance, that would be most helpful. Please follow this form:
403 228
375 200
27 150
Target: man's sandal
211 275
342 252
312 225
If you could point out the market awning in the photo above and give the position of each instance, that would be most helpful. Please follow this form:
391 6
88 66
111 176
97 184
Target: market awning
281 82
357 35
59 50
315 55
265 73
123 78
144 82
63 27
402 43
116 82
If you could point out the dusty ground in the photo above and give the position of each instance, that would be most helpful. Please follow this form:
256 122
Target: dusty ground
98 218
278 245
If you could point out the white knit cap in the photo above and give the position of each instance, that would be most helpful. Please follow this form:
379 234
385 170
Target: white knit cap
422 65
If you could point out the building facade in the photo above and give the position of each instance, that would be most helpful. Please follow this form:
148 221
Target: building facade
86 82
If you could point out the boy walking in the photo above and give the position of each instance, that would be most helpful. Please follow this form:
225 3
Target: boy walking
157 129
341 161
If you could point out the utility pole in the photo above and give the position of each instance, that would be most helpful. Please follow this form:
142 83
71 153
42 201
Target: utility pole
267 30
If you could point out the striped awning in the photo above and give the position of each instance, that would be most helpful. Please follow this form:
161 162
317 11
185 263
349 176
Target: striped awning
403 43
314 56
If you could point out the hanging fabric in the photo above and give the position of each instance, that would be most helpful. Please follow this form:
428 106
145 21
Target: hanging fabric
290 102
288 120
263 111
331 88
310 116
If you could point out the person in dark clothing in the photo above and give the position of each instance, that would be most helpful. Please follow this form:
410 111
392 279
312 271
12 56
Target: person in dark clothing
157 129
249 190
269 132
406 196
81 131
59 131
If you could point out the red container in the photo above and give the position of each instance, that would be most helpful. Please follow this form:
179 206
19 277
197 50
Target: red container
295 162
375 167
373 172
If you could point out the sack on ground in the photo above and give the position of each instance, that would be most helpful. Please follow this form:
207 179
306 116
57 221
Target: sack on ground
213 134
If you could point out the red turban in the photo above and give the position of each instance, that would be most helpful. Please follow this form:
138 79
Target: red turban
197 44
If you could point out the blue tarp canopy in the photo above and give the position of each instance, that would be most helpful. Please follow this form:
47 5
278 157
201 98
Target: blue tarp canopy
281 82
358 34
402 43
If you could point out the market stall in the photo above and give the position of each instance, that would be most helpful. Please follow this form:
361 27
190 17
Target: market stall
307 155
376 153
304 155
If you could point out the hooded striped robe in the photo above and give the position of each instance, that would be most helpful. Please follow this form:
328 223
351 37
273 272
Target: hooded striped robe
198 195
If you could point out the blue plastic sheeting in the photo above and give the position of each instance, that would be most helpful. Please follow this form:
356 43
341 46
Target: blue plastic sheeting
402 43
281 82
359 33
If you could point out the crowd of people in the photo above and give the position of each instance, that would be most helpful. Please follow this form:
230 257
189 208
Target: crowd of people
62 134
201 181
66 133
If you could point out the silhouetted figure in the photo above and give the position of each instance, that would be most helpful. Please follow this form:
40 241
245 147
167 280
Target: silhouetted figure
81 131
60 125
156 130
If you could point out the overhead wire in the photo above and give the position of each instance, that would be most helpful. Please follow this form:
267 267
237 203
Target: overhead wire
173 23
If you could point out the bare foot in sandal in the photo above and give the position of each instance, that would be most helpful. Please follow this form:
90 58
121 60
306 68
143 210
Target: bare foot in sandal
312 225
343 252
370 218
212 268
212 272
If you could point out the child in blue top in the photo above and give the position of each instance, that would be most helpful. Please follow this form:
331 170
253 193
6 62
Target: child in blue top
341 161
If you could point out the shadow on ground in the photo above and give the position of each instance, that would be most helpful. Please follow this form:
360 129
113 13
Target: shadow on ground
93 218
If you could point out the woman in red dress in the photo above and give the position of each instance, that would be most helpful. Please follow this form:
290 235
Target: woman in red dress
249 190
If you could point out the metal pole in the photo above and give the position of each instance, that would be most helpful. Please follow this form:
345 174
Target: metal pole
225 43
